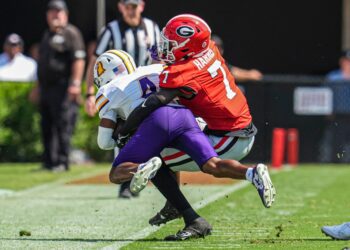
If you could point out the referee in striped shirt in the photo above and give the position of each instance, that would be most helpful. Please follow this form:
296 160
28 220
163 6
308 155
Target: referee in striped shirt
132 33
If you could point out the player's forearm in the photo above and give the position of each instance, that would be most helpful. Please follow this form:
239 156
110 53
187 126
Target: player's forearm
77 71
140 113
154 101
90 90
104 138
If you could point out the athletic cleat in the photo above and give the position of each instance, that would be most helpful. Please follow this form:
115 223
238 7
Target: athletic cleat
144 173
199 228
338 232
124 191
263 183
166 214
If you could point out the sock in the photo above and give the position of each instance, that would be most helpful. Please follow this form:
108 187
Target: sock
189 215
168 186
249 174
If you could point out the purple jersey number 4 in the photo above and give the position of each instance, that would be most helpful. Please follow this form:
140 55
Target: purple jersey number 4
147 87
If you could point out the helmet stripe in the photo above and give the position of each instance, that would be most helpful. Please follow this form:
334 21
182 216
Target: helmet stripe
127 62
194 17
129 57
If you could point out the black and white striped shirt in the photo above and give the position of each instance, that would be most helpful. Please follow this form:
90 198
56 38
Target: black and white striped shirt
134 40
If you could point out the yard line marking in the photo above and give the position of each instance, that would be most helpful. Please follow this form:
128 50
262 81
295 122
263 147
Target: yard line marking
151 229
4 192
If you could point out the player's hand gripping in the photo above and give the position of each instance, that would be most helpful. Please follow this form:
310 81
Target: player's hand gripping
122 140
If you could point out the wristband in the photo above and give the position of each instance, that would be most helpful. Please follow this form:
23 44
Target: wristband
76 83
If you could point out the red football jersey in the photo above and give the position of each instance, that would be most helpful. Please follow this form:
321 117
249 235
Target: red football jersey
217 98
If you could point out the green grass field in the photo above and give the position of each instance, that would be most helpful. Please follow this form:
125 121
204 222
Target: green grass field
19 176
91 217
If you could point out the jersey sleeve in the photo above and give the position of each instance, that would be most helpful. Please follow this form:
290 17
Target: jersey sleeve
108 114
102 104
110 98
78 47
178 78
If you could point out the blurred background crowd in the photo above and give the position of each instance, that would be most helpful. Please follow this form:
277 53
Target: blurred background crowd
291 59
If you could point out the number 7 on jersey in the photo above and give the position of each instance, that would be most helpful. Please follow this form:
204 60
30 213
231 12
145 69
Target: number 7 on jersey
213 71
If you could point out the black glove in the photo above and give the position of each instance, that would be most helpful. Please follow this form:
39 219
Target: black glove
122 140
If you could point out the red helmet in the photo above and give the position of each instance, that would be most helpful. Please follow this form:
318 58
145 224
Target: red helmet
182 37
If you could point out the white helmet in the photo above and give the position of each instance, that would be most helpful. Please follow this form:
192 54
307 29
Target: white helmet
112 64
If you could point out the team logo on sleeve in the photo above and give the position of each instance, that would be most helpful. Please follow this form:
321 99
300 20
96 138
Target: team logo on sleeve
100 69
185 31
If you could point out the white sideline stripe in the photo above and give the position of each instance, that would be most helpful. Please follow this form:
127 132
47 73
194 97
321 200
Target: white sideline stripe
200 204
4 192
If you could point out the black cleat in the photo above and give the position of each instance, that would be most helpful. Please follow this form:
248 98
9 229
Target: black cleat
124 191
166 214
199 228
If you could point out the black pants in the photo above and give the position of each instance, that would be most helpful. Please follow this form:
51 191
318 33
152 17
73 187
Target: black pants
58 118
335 143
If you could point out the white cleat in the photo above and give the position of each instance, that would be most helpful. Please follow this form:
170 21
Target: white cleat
144 173
338 232
263 184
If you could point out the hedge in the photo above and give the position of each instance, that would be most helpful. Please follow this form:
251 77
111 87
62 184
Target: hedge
20 136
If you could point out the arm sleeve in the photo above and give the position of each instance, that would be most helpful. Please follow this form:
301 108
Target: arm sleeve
140 113
153 102
108 114
104 138
102 104
78 47
171 78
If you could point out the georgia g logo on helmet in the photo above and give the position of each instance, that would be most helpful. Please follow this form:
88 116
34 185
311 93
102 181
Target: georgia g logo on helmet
185 31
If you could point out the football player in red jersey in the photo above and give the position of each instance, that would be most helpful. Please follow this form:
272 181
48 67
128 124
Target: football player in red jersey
197 74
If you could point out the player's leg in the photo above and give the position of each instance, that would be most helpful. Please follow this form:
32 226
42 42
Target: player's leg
199 149
66 120
141 147
258 175
187 136
47 134
176 160
168 212
124 189
173 119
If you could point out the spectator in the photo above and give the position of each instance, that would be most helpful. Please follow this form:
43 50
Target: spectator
60 70
34 51
134 34
239 73
342 74
14 66
335 145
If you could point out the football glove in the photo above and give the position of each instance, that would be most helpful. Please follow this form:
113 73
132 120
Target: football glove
154 53
122 140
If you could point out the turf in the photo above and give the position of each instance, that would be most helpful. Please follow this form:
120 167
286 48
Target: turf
78 216
22 176
59 216
308 198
